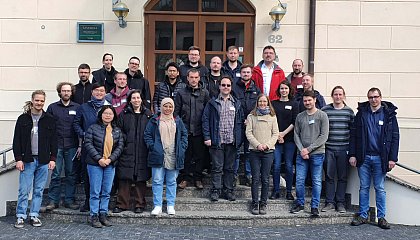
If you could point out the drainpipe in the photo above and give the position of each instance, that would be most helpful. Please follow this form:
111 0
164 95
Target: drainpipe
311 47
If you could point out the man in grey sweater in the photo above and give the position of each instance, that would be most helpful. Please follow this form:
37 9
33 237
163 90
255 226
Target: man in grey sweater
311 133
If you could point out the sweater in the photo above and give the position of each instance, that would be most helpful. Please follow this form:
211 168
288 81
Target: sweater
262 130
311 131
340 121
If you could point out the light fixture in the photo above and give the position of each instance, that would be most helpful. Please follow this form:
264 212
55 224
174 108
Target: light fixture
121 11
277 13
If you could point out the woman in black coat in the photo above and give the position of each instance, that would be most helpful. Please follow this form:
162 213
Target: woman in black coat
132 165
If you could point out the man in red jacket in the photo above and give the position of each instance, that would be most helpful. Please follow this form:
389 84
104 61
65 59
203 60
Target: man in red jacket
267 74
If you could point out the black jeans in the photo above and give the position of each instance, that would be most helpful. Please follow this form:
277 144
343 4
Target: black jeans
194 159
260 169
85 175
222 158
335 165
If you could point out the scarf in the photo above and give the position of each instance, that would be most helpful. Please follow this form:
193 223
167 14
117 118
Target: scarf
97 103
167 130
262 112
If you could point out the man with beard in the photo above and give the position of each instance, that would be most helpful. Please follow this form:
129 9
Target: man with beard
267 74
247 93
105 75
64 112
189 106
86 115
213 80
193 62
169 87
295 77
308 85
136 80
118 95
311 133
83 89
231 67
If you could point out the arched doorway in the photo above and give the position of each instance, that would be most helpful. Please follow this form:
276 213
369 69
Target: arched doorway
172 26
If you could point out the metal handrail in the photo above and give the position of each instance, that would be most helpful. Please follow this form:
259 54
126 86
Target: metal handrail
407 168
4 152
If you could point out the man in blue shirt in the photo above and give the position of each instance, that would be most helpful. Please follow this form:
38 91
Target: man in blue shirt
374 143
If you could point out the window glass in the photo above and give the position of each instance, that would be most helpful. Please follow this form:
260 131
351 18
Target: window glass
187 5
214 36
184 35
234 35
160 65
236 6
164 34
213 5
163 5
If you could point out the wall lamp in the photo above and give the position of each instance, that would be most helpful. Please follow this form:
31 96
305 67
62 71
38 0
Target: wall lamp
277 13
121 11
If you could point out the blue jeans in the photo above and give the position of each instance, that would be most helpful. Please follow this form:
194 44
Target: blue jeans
33 177
371 168
64 159
100 179
260 165
159 175
302 165
283 153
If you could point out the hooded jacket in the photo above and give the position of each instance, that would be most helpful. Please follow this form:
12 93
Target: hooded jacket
276 78
105 78
118 101
390 135
138 81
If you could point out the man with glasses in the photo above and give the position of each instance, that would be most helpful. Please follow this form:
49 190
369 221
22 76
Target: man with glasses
193 62
374 144
136 80
222 131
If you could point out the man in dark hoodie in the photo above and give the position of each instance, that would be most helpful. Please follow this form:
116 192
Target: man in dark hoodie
374 144
189 106
308 85
169 87
136 80
231 67
105 75
193 62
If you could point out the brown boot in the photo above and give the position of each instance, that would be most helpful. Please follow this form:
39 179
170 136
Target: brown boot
183 184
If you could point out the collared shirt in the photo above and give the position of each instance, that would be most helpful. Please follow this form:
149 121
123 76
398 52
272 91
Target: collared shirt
267 74
227 119
375 122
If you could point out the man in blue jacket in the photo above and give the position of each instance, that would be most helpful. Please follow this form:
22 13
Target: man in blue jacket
374 143
222 130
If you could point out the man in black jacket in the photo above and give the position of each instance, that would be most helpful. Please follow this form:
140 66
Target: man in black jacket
169 87
193 62
136 80
35 151
83 89
105 75
189 105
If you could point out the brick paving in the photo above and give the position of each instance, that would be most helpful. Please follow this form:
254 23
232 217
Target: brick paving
64 231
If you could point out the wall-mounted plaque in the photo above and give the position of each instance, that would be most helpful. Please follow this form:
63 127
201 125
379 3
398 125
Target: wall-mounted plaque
90 32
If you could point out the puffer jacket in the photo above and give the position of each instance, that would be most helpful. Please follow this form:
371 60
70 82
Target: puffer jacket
94 143
154 143
132 164
189 106
163 90
105 78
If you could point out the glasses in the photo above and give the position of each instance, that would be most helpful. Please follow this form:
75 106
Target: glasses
108 113
373 97
195 55
133 63
225 85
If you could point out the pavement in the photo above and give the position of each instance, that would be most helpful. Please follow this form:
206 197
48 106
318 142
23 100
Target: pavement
64 231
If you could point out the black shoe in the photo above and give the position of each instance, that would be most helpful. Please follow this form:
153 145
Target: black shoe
85 208
297 209
51 206
382 223
289 196
263 208
71 206
104 220
230 196
117 210
328 207
254 209
138 210
248 181
341 208
214 196
358 220
314 212
94 221
275 195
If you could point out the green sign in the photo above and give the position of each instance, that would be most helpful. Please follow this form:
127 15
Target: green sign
90 32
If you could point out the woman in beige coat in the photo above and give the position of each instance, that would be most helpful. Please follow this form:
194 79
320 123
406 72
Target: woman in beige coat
262 132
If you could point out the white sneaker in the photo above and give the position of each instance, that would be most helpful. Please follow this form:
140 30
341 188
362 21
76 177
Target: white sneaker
171 210
157 210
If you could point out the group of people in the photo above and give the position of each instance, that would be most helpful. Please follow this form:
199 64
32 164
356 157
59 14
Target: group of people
106 131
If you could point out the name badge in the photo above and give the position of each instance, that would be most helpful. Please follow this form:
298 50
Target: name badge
311 121
288 107
72 112
381 122
123 100
238 74
232 108
299 86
